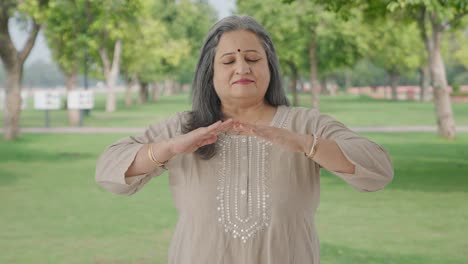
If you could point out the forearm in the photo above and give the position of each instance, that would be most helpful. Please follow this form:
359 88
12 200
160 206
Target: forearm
329 155
143 164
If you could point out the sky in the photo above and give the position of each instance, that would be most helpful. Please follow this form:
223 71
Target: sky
42 52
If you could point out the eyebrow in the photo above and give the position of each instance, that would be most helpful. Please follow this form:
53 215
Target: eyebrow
230 53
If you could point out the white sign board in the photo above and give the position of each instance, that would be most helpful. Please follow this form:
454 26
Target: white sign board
24 100
47 100
80 99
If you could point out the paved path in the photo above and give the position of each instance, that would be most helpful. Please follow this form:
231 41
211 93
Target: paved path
127 130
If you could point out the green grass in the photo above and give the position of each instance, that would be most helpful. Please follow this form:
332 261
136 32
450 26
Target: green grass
53 212
351 110
365 111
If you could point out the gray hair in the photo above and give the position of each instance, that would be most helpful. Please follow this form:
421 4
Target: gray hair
206 105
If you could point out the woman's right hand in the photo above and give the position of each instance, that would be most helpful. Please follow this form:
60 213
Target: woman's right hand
190 142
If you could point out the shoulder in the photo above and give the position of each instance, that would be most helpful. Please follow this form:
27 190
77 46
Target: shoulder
298 114
302 112
307 120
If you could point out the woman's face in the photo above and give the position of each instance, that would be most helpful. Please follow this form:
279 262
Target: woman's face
241 73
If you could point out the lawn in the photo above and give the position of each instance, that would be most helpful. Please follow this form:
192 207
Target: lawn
53 212
352 110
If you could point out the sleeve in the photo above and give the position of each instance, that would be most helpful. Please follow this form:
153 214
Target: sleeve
116 158
374 167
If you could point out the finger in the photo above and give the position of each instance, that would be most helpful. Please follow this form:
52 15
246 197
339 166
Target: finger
214 125
250 129
207 141
201 131
225 126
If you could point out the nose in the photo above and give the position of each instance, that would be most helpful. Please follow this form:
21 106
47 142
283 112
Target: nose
242 67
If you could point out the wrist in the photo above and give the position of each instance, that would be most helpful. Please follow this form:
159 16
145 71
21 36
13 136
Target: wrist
307 141
161 152
170 148
313 147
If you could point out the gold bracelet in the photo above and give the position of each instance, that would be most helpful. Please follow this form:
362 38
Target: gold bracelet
152 158
315 149
312 149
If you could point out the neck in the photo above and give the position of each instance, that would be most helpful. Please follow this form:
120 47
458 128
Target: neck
260 113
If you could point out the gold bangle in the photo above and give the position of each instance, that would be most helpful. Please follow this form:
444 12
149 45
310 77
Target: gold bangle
152 158
315 149
312 149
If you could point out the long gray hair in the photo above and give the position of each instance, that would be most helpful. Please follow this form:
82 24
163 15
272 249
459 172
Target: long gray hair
206 105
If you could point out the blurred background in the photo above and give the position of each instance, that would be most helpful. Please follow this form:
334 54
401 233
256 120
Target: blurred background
77 75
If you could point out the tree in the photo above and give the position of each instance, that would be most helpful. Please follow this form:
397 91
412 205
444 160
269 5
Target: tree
109 24
148 52
187 22
395 47
435 17
13 60
305 30
65 32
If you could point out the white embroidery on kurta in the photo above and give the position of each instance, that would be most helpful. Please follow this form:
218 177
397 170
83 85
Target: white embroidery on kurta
243 194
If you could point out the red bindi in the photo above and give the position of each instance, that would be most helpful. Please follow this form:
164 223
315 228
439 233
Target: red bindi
238 50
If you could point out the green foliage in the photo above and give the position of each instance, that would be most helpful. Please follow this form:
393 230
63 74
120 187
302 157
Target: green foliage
340 43
459 42
365 73
188 22
65 32
166 40
148 47
34 9
395 46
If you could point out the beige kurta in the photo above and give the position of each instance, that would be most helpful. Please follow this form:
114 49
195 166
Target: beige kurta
254 202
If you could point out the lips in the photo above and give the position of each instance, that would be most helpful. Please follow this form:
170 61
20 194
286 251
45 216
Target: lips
243 81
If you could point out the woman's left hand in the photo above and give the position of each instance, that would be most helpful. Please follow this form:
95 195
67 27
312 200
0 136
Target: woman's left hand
287 139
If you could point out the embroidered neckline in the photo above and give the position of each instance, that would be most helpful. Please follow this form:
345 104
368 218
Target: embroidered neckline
243 194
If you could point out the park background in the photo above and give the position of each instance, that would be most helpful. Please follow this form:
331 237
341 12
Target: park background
367 63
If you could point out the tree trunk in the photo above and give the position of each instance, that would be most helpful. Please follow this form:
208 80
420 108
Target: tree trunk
424 82
323 86
129 91
293 83
177 87
144 93
347 82
292 88
443 105
11 116
169 87
332 87
111 71
73 114
315 86
156 92
394 80
13 61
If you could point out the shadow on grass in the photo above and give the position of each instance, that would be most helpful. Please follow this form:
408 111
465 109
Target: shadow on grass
333 254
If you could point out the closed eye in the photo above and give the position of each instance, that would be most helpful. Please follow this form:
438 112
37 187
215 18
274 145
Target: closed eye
248 60
255 60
